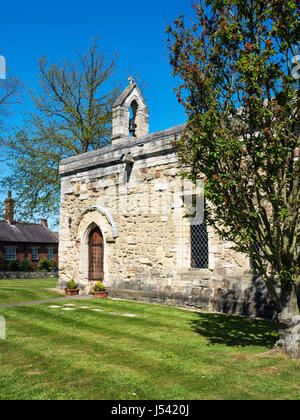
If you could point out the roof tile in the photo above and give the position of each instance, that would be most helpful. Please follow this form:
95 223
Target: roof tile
26 232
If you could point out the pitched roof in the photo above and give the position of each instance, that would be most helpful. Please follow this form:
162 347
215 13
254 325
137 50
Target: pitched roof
26 232
122 98
56 234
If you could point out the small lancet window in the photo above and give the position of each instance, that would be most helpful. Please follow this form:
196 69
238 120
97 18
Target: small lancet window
132 124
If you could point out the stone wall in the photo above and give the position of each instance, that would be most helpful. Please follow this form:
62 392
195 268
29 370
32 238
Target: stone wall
27 275
132 191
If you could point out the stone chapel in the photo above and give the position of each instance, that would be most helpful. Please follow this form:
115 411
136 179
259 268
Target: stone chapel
127 219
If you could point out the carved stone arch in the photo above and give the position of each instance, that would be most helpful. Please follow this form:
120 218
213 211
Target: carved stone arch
95 255
87 227
121 108
134 105
91 220
134 99
104 212
94 217
87 232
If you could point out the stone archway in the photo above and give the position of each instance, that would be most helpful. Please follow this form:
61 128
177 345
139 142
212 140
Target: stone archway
103 212
96 255
94 226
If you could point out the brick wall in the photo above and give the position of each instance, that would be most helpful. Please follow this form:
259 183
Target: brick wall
25 251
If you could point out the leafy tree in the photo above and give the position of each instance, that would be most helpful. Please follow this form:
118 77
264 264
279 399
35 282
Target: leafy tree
11 90
10 94
241 95
72 115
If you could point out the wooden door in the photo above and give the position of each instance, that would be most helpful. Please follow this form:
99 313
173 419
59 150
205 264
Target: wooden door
96 254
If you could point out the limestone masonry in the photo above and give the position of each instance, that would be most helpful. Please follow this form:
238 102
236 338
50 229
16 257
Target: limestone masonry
128 219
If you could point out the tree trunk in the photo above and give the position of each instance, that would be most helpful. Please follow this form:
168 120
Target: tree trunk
289 324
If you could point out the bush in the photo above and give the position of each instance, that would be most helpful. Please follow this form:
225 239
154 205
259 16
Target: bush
52 265
71 284
25 265
14 265
99 287
45 264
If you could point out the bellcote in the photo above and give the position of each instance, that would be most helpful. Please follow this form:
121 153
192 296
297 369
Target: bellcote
130 115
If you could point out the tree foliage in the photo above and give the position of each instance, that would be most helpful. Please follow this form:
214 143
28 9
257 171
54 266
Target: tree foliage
10 94
72 115
241 95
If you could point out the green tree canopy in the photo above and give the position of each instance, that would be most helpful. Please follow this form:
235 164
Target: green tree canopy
72 115
239 87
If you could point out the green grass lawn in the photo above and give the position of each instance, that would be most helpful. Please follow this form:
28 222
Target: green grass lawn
25 290
162 353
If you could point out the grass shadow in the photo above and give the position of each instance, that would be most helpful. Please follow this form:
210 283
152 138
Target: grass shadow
234 330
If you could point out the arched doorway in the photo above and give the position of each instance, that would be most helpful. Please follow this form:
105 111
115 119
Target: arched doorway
96 255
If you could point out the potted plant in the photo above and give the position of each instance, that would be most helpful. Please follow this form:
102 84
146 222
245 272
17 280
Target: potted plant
71 288
100 290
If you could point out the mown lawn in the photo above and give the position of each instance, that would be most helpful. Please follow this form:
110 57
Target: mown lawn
162 353
26 290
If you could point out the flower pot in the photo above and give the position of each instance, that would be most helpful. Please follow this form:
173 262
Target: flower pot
100 294
71 292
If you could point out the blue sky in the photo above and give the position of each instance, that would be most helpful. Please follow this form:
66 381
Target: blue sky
134 30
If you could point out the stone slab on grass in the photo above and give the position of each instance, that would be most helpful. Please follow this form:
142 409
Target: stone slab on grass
72 307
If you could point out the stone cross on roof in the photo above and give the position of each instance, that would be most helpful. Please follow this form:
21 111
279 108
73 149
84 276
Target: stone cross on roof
131 80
